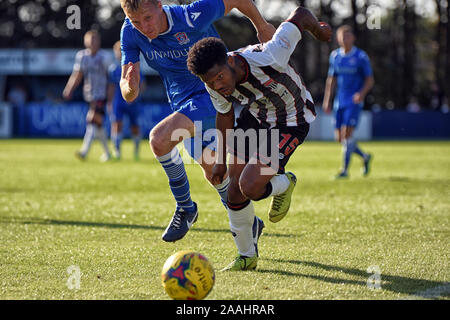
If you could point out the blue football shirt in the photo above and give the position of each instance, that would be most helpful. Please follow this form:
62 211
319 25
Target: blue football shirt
168 53
351 70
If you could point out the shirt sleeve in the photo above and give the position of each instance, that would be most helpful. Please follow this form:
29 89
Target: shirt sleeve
283 43
365 64
78 61
111 74
128 46
107 61
331 69
202 13
219 102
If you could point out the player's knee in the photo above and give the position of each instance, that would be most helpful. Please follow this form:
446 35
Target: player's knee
156 142
337 135
208 176
248 189
234 193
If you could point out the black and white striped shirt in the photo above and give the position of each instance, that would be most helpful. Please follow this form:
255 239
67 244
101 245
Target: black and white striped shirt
95 73
272 90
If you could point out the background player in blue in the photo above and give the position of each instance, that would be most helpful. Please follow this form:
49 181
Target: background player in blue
118 107
164 34
351 72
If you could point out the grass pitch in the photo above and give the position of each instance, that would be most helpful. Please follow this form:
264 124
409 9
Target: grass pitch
107 219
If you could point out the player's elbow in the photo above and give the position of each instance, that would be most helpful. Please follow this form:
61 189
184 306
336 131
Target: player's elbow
128 98
127 94
234 4
302 16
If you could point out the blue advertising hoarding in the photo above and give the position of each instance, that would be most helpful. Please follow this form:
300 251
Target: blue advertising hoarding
67 120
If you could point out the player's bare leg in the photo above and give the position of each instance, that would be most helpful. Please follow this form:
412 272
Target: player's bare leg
136 137
337 135
163 140
97 118
94 129
259 181
207 163
352 147
341 137
116 137
244 225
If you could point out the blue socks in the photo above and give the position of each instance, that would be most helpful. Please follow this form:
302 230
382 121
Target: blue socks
179 185
350 146
117 140
137 141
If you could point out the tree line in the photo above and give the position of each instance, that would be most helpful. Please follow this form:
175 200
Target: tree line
409 51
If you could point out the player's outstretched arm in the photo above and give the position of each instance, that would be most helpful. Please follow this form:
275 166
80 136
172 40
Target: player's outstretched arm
73 82
130 80
368 85
305 20
330 86
265 30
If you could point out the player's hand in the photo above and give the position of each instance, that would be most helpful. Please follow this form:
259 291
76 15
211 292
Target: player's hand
266 33
132 77
67 94
357 98
323 32
326 106
218 172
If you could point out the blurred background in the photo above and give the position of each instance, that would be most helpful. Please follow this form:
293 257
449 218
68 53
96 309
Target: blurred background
408 42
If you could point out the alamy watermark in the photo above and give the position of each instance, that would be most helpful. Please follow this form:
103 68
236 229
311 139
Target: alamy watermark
74 280
73 21
206 147
374 281
373 20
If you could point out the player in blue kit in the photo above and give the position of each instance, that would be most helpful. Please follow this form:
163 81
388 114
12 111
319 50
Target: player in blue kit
163 35
118 107
351 72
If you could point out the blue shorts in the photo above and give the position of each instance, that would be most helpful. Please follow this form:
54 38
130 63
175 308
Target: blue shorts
131 110
201 111
347 116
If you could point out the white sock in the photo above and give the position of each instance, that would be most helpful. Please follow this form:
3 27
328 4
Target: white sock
136 140
88 138
101 135
280 183
241 223
222 189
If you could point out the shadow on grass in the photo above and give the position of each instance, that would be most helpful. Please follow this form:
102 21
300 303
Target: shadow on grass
410 180
20 220
398 284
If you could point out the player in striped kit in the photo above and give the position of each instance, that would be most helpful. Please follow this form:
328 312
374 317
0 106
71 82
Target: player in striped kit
91 64
277 107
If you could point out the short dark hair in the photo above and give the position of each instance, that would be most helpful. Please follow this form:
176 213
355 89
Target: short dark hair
205 54
345 28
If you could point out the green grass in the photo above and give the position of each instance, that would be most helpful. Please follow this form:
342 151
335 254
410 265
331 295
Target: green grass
108 219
